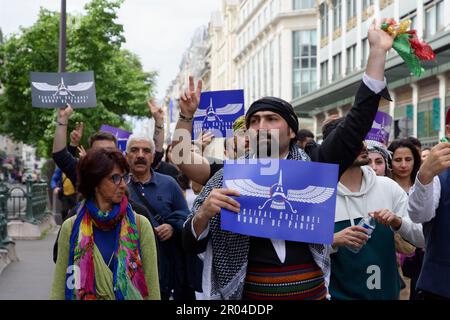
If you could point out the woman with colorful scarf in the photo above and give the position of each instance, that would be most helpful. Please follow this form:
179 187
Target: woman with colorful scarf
106 251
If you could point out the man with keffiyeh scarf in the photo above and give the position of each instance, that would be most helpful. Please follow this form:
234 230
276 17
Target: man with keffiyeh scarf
243 267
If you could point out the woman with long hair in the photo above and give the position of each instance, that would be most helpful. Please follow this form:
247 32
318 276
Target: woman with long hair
406 162
106 251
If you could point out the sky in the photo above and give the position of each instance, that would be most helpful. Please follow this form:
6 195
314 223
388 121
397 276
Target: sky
158 31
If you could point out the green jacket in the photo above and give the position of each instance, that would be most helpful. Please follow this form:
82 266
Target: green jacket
103 275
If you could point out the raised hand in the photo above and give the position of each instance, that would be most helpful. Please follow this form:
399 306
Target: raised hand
379 39
77 134
63 114
190 99
437 161
81 151
204 140
156 112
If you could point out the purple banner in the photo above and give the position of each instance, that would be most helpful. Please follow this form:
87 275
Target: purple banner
381 128
120 134
297 203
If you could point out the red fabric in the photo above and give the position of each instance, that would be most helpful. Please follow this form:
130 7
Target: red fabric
421 49
447 117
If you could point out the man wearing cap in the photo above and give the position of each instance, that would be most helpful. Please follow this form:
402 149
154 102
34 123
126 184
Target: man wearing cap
243 267
429 204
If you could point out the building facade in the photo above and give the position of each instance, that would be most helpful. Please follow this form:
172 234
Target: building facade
419 104
222 35
266 47
276 49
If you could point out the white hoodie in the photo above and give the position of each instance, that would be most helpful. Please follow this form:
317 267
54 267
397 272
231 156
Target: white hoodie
378 193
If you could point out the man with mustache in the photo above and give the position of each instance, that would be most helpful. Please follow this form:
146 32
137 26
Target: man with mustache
243 267
65 155
163 198
372 272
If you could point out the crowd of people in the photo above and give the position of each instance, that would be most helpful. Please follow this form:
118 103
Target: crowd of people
140 227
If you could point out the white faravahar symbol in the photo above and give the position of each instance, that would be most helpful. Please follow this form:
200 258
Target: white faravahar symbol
275 194
382 127
211 114
61 89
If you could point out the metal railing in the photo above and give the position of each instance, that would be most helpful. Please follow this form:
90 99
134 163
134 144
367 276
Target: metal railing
29 204
4 238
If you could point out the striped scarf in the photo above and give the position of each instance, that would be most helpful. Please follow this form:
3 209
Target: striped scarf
128 274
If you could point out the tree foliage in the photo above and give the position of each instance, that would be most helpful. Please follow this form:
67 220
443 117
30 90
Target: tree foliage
94 42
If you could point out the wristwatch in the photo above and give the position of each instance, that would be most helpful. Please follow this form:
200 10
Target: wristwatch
60 123
159 127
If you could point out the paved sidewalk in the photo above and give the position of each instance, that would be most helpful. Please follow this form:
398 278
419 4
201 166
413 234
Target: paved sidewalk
31 277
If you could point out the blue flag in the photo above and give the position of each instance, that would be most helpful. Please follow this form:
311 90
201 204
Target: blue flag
217 111
297 203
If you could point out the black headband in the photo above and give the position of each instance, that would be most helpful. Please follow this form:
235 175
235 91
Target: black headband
276 105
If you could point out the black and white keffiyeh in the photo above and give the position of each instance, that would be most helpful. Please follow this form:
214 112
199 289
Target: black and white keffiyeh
226 256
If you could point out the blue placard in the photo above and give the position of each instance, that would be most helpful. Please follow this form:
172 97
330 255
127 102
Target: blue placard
296 203
217 111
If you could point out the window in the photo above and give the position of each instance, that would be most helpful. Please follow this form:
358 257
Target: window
337 66
337 8
434 19
351 9
271 66
266 71
323 20
304 62
428 119
351 59
303 4
324 73
365 52
253 78
367 4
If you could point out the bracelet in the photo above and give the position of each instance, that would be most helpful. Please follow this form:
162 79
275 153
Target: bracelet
159 127
60 124
184 118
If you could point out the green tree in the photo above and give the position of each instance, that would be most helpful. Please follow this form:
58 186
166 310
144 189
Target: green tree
94 42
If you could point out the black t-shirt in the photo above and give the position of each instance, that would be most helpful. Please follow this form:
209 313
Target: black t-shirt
213 168
263 254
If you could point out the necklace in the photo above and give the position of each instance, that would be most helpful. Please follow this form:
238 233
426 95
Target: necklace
112 254
110 259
